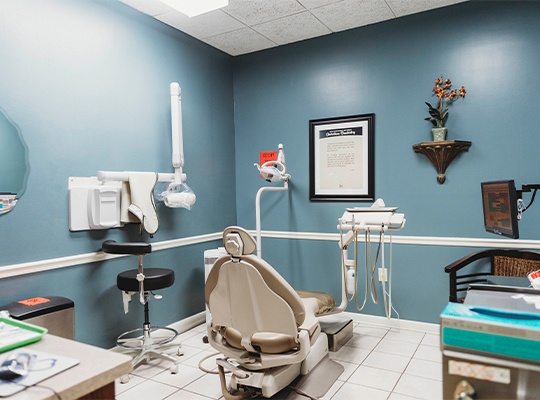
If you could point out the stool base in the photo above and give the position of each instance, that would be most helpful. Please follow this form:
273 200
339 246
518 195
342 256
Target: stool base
147 341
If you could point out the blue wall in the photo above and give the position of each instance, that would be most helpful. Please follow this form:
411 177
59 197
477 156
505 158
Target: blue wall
492 48
87 82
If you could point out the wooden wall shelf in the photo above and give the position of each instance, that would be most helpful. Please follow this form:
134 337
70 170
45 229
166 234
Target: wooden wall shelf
441 154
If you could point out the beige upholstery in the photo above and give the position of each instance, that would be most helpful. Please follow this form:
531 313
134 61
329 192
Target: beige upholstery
325 302
274 281
255 310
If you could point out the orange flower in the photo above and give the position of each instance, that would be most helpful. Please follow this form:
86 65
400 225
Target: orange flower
451 95
446 96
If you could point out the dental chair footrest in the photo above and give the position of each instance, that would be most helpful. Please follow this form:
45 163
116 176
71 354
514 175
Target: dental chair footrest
136 340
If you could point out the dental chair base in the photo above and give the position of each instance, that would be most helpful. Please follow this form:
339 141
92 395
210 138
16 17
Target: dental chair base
246 383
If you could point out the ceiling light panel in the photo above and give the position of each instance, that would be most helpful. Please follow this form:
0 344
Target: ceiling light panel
192 8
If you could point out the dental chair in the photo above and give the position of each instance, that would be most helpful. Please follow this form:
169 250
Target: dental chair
267 333
144 281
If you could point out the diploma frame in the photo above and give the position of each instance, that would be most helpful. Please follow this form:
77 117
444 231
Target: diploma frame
341 158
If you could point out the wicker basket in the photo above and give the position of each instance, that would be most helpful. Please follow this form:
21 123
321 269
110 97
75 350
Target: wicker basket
510 266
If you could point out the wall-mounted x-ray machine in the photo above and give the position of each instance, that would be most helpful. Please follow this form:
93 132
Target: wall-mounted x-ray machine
112 199
376 220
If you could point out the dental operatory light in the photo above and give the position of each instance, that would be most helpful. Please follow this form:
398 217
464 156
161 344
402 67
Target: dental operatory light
274 171
192 8
271 171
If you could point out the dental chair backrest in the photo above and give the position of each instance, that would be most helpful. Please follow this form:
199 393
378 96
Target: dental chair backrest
250 303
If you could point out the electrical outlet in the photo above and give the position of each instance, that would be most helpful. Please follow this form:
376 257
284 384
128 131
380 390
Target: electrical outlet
383 276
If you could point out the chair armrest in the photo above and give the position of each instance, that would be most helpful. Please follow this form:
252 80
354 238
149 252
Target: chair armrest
311 323
466 260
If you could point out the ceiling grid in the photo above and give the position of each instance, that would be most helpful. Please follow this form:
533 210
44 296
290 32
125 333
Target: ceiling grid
246 26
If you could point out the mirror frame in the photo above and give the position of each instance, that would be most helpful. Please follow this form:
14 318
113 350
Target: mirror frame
26 161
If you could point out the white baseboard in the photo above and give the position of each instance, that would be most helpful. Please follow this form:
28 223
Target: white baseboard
197 319
394 322
190 322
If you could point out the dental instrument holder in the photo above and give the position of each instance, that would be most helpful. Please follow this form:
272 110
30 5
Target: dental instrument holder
271 171
376 218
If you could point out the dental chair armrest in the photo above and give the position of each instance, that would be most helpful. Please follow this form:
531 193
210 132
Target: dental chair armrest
266 361
311 323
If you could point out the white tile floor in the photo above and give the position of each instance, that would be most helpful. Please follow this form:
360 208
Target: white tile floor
380 363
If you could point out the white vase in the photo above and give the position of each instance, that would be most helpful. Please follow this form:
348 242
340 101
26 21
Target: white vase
439 134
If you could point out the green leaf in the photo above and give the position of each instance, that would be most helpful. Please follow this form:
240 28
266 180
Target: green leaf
434 113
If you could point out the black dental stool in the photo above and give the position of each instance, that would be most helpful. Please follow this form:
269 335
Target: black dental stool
144 281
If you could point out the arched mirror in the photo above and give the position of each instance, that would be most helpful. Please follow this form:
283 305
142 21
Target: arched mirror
14 167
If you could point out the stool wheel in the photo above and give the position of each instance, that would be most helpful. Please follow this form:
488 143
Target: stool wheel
124 379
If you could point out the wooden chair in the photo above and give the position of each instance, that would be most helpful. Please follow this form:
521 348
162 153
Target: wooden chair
497 262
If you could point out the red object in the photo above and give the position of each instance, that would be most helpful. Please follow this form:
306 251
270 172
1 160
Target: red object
34 301
265 156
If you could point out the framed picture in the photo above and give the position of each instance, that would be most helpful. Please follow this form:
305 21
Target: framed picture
341 158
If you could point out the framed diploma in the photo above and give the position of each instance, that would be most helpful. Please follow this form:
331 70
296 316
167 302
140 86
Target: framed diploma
341 158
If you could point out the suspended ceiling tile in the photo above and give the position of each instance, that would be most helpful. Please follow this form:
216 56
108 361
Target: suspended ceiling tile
310 4
401 7
148 7
348 14
280 21
202 26
252 12
293 28
239 42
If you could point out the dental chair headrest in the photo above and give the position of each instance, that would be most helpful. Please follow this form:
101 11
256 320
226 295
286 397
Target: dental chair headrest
238 242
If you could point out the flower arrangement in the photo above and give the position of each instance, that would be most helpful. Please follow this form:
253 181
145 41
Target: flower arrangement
446 96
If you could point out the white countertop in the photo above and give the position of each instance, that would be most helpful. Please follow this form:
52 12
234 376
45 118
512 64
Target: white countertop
97 368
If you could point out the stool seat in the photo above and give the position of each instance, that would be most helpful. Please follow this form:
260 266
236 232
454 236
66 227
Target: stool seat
133 248
154 279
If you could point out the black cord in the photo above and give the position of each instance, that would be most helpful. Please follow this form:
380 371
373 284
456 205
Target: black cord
532 199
